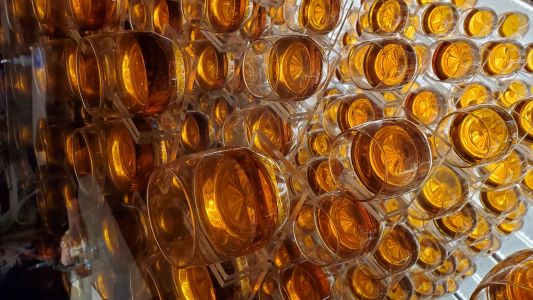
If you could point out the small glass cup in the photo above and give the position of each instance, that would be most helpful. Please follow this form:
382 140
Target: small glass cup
197 133
513 25
507 279
444 192
161 16
216 16
454 60
336 229
344 112
53 146
215 205
382 17
424 284
509 171
54 64
361 286
258 23
129 74
285 68
108 157
498 204
52 198
384 158
396 252
297 281
303 16
214 68
478 22
528 67
425 106
315 143
523 115
384 64
432 252
403 289
472 93
475 136
436 20
502 58
261 128
455 226
509 92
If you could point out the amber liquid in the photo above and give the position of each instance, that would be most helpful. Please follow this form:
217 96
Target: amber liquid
424 286
457 224
295 67
384 65
500 202
51 203
272 131
193 283
475 93
145 78
514 24
196 132
320 16
167 13
387 16
523 114
93 14
226 15
508 170
365 287
501 58
305 281
482 134
453 60
212 69
319 143
388 162
346 227
257 23
432 253
529 58
439 19
402 290
479 23
320 177
515 91
443 190
352 111
237 202
425 106
397 250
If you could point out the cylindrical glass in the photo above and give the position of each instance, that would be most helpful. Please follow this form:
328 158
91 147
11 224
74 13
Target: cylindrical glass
396 252
129 74
220 16
502 58
285 68
475 136
261 128
385 64
54 64
107 156
454 60
303 15
160 16
478 22
335 229
437 19
523 115
384 158
513 25
345 112
383 17
425 106
215 205
508 279
445 191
